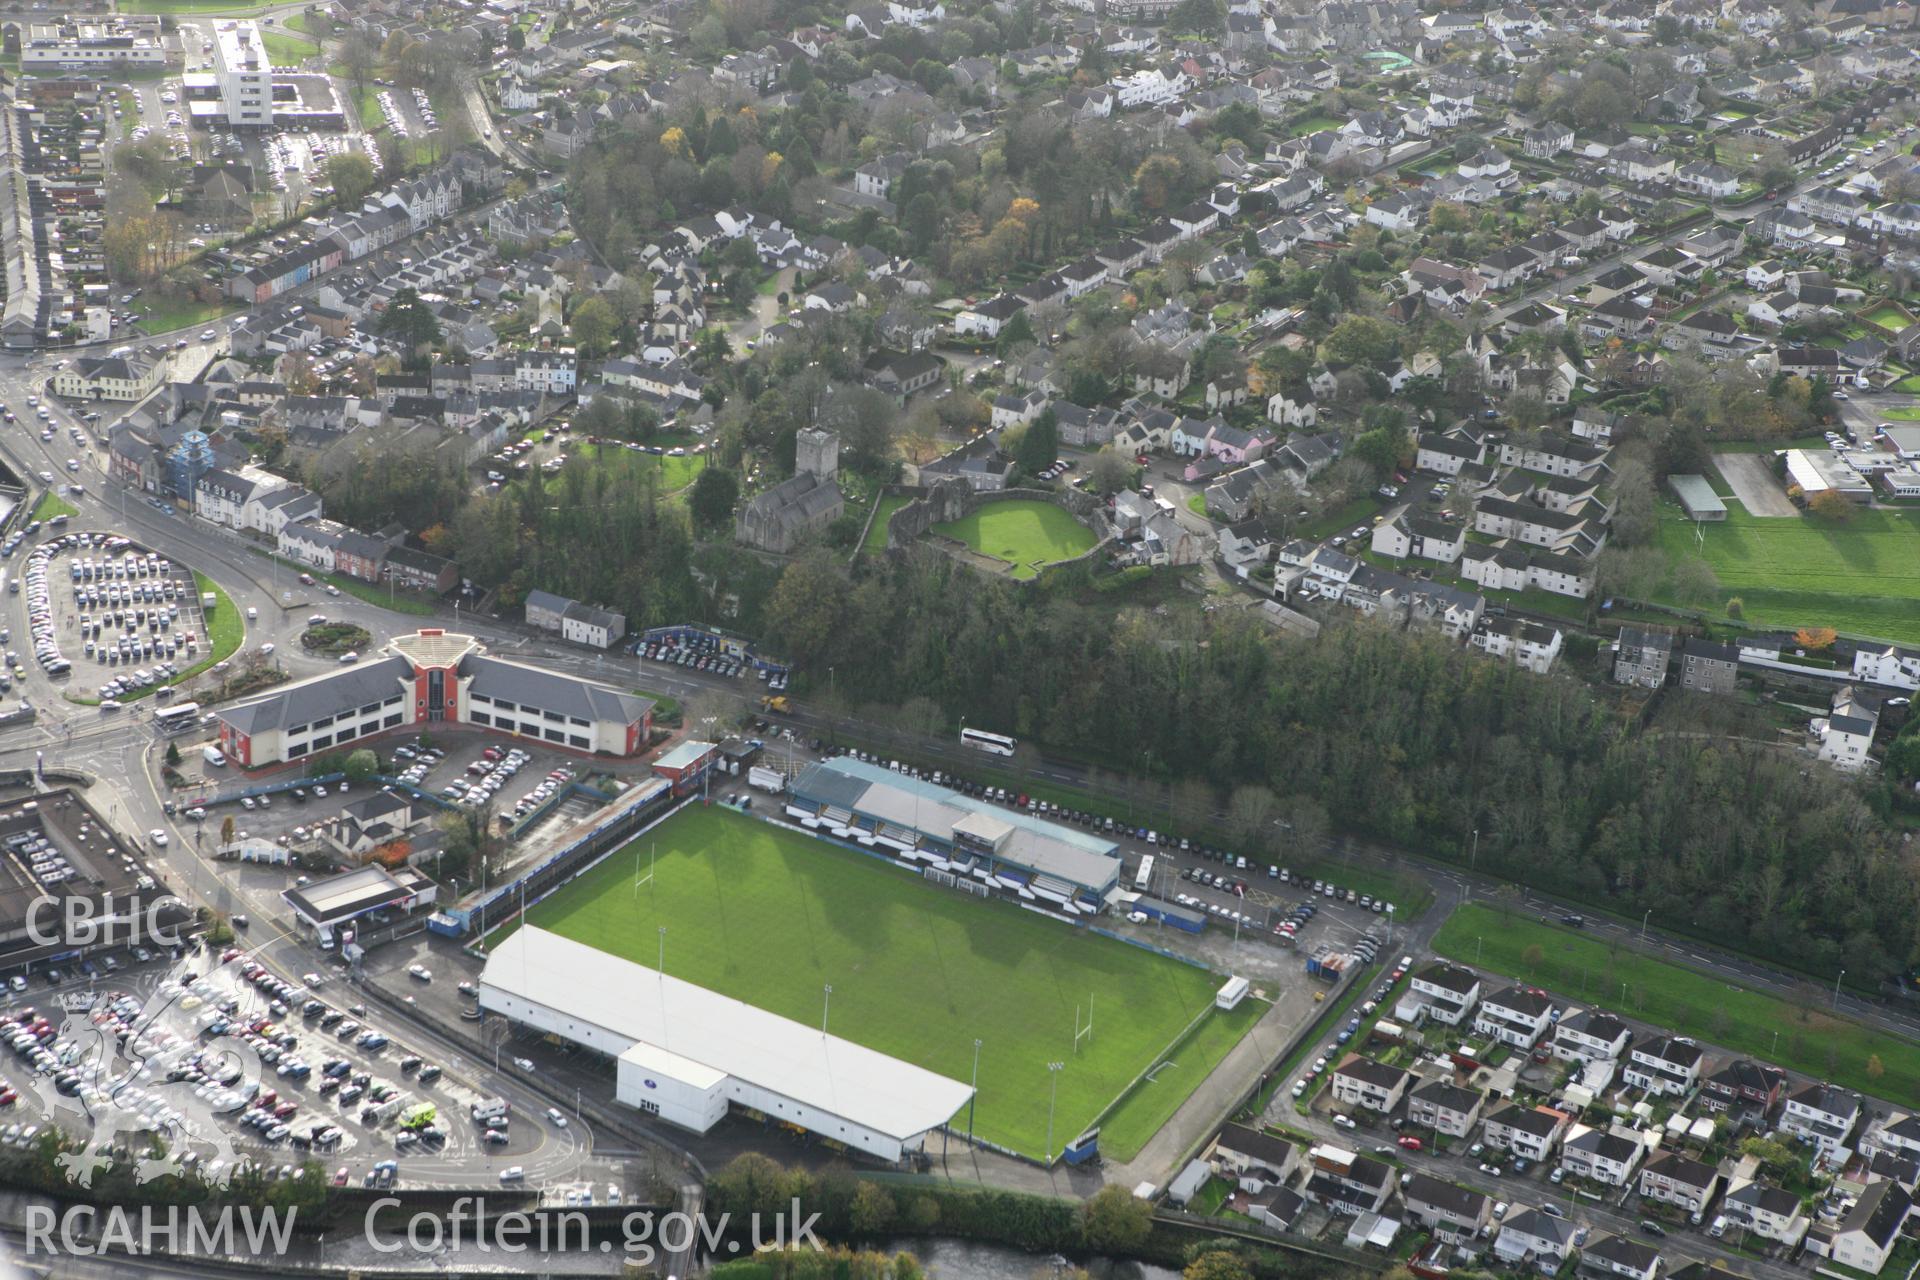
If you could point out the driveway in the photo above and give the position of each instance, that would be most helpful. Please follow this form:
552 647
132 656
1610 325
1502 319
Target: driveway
1759 492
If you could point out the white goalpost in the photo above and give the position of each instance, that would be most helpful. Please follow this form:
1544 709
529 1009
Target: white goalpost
1079 1032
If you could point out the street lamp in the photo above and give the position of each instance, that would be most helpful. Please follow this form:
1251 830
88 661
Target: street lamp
826 1006
975 1085
1053 1091
1836 987
1643 923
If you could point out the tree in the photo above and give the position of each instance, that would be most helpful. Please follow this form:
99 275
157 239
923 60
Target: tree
873 1210
1362 340
359 53
1110 471
1875 1067
1115 1221
352 176
226 830
1695 582
866 420
807 603
1831 506
1217 1264
516 38
1203 17
173 755
1533 957
1248 812
361 765
715 492
408 321
593 324
1040 445
1816 639
1159 182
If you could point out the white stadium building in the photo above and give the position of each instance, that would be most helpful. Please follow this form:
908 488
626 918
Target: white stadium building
688 1054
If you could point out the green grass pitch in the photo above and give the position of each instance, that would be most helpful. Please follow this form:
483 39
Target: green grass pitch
1021 531
1861 577
771 917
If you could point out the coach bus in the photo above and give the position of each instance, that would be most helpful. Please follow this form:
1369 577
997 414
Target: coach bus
1143 878
178 718
998 744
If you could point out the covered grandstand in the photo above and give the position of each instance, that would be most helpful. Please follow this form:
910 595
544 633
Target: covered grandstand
688 1054
954 838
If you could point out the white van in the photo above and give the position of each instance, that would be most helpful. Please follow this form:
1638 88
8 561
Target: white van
253 614
214 757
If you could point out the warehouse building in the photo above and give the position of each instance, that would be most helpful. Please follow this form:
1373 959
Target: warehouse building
433 677
950 836
689 1055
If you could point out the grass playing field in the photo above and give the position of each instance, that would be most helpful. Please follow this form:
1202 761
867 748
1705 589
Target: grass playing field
1684 1001
1021 531
771 917
1861 577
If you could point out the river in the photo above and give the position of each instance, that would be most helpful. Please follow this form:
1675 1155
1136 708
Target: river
949 1259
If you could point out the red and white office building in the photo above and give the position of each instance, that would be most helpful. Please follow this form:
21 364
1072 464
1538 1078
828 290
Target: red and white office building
430 678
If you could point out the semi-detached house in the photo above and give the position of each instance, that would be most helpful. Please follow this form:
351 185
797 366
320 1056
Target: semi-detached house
1518 1016
1444 992
1525 1131
1453 1213
1362 1082
1676 1179
1347 1183
1663 1065
1533 1238
1744 1084
1589 1036
1871 1229
1250 1155
1445 1108
1822 1114
1769 1212
1622 1256
1600 1156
